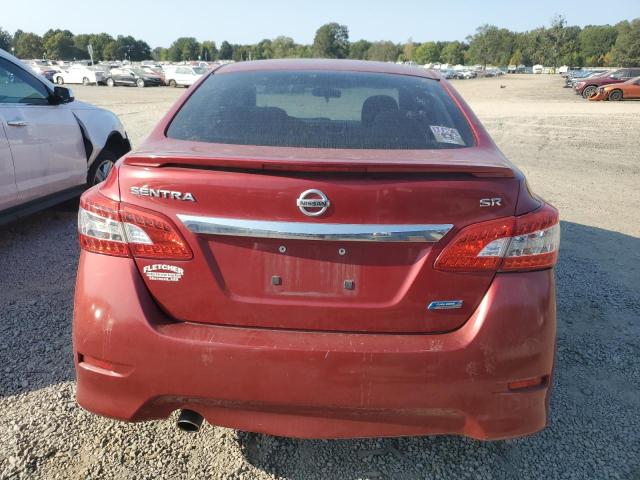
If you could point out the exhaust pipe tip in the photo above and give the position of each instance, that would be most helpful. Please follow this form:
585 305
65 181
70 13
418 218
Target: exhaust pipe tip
189 421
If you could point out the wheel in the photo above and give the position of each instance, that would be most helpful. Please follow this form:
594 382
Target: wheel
85 81
101 167
60 80
172 83
110 82
140 83
615 95
589 91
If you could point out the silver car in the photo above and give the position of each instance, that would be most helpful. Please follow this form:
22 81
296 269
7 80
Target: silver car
51 147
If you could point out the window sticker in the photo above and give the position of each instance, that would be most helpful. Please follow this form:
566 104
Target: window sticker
447 135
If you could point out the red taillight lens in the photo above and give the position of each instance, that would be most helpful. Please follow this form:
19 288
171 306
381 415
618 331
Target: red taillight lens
527 242
477 248
106 227
152 235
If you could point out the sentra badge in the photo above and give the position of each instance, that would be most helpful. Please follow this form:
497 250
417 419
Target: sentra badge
157 193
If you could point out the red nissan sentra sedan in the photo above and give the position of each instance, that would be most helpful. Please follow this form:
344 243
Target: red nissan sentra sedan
321 249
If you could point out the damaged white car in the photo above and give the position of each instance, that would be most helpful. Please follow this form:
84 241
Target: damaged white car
51 147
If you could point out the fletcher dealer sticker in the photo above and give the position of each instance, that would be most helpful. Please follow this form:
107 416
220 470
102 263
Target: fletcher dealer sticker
163 273
447 135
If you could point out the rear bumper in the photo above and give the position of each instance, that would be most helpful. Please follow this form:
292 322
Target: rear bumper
310 384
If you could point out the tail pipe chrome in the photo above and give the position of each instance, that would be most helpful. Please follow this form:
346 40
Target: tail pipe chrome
189 421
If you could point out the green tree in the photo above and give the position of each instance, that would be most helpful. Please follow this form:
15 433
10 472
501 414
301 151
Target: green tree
283 47
491 44
626 50
331 41
561 43
262 50
384 51
81 41
28 45
99 41
209 51
5 39
226 51
160 54
408 50
59 45
427 52
595 42
241 53
111 51
358 50
452 52
184 48
516 58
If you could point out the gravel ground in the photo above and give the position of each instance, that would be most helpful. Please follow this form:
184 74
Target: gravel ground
581 156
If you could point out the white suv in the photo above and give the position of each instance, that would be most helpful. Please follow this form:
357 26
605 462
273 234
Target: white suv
51 146
183 75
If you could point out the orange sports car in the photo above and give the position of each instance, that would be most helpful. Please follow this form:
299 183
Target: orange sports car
619 91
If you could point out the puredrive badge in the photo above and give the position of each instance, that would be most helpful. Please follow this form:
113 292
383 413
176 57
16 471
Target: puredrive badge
163 272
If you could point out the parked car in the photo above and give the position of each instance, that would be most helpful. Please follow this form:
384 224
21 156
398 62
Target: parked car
42 67
318 248
573 77
619 91
78 73
133 77
154 70
51 146
182 75
589 86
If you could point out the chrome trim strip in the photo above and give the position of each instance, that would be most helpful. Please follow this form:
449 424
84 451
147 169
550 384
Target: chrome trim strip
343 232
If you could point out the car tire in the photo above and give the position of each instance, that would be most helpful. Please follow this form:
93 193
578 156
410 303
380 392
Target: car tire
60 80
615 95
140 83
589 91
110 82
172 83
85 81
101 167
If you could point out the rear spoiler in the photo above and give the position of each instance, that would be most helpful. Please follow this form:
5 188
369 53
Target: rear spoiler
475 168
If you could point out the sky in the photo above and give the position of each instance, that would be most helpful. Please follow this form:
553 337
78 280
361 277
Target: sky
159 22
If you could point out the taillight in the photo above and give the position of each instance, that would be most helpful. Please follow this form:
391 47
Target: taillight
527 242
152 235
99 226
108 227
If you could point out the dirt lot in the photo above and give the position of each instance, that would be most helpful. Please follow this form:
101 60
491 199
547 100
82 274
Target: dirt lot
584 157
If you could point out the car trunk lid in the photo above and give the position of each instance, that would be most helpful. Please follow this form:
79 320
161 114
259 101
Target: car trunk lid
364 265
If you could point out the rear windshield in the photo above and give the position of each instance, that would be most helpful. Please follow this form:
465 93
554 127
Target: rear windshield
313 109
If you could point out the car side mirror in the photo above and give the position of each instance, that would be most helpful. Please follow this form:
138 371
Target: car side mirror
62 95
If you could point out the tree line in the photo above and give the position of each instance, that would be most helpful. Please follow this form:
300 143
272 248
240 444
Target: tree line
553 45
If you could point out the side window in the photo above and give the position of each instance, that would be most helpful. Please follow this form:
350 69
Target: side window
17 86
